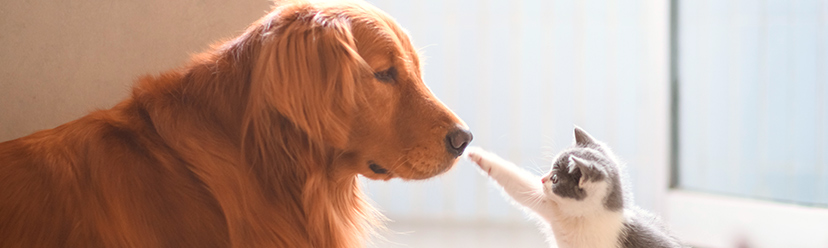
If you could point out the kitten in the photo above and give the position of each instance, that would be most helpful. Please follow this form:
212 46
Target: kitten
582 199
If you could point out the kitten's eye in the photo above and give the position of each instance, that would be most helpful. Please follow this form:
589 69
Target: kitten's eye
387 76
554 178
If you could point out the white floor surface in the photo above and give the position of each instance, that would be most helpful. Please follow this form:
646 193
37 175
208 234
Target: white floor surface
462 235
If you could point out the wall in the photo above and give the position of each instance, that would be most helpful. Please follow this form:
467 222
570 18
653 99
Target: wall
62 59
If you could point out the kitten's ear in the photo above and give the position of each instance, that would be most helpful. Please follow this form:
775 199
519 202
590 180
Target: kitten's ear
588 170
582 138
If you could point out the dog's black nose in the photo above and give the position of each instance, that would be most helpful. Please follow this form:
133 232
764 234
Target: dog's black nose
457 140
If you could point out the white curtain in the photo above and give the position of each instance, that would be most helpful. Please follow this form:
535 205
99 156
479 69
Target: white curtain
521 74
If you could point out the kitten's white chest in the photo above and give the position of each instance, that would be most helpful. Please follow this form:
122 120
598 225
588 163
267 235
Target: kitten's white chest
596 231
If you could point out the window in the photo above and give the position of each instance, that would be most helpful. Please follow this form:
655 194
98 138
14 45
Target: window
752 108
753 99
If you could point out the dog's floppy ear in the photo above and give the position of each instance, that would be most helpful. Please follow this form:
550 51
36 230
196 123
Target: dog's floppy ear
306 69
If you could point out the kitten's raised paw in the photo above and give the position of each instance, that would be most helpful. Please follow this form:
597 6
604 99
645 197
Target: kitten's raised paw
475 154
484 159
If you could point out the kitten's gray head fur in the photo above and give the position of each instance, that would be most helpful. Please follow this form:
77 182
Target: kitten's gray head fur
591 161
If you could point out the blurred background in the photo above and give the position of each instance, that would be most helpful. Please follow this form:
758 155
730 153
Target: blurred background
718 107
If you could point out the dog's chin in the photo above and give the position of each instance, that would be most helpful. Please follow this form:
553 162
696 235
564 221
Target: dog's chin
418 171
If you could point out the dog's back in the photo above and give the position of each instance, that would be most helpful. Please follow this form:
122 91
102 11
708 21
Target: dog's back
30 197
103 180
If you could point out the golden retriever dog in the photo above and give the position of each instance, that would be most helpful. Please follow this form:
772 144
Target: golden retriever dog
257 142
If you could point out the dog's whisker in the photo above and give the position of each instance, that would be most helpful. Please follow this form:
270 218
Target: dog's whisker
421 50
397 163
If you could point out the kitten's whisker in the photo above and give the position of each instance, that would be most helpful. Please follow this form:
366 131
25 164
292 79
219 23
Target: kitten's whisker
534 166
536 200
536 169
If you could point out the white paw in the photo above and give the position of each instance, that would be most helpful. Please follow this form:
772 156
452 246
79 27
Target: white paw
484 159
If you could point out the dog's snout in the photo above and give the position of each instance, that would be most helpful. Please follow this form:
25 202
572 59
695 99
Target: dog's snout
457 140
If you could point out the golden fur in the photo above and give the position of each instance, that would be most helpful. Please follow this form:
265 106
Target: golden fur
256 143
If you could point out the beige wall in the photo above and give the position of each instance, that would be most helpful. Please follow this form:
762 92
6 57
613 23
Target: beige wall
62 59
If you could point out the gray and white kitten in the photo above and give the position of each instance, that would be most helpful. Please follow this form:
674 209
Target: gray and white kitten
581 198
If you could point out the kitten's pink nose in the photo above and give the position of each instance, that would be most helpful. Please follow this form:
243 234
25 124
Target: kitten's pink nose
543 180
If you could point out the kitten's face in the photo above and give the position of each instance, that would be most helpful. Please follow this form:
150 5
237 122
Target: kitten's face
563 181
584 177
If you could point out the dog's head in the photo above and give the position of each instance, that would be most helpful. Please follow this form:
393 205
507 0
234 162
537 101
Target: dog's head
348 77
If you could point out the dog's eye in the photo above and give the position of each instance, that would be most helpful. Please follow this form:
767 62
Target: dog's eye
387 76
